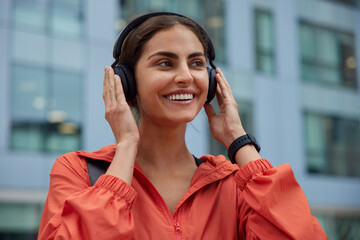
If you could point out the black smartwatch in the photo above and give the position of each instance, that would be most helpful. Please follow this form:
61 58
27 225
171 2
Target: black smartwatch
239 143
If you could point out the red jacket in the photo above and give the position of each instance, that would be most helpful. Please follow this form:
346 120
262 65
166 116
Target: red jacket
256 201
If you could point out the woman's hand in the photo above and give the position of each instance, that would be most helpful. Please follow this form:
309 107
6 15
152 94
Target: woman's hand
122 122
117 110
226 126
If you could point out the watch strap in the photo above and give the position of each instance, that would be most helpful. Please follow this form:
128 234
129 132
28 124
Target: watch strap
239 143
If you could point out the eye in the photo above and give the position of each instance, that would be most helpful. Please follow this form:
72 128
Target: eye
164 63
198 63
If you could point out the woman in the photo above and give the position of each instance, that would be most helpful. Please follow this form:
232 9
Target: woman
154 187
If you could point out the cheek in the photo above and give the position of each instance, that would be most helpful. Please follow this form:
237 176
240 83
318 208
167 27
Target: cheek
203 83
148 87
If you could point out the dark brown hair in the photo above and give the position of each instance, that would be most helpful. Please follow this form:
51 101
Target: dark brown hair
135 41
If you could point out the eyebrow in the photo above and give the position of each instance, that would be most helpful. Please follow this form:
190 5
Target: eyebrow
173 55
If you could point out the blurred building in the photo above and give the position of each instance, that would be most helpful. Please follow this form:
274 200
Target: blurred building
292 64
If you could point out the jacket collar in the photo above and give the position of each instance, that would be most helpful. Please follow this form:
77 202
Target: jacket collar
214 167
105 153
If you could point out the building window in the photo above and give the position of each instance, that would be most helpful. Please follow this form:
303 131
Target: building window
46 112
58 17
245 112
340 226
327 56
355 3
332 145
29 14
210 16
264 42
19 220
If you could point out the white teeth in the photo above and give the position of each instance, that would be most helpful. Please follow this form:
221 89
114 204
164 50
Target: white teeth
175 97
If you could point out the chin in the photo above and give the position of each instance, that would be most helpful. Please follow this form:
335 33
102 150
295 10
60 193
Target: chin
187 120
181 117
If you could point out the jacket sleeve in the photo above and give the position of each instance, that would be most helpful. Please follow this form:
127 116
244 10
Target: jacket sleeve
272 205
76 210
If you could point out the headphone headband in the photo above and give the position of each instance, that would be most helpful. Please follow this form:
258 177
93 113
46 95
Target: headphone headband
139 20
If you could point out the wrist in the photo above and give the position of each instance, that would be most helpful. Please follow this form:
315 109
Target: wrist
122 165
233 136
246 154
243 142
127 145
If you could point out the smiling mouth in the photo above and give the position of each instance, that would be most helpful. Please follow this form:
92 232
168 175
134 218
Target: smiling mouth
180 97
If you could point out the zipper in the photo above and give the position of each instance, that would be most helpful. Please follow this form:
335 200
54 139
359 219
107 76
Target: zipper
177 230
160 203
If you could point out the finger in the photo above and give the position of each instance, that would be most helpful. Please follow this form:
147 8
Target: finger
224 86
106 95
209 110
219 97
112 90
105 75
218 70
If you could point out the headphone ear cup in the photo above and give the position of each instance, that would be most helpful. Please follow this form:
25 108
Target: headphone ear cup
212 84
127 80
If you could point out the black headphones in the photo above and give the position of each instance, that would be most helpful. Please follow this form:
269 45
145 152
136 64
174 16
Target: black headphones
128 77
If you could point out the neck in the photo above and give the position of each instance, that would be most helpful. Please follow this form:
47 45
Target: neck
162 147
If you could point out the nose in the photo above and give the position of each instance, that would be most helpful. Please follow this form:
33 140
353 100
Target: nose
183 75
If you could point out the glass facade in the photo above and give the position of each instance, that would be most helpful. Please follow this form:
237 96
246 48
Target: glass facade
209 14
245 112
340 227
46 101
66 17
29 14
327 56
46 109
355 3
57 17
264 42
332 145
19 221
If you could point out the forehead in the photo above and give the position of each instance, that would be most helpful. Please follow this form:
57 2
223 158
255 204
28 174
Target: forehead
178 37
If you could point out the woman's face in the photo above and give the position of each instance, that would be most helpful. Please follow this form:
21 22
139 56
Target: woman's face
171 76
